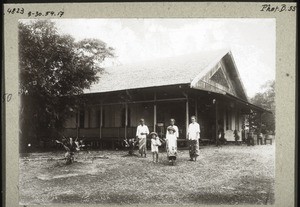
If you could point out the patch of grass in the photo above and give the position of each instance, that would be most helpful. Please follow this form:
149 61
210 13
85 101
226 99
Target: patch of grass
226 175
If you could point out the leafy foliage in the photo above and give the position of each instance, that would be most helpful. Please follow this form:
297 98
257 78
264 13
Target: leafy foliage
265 100
54 69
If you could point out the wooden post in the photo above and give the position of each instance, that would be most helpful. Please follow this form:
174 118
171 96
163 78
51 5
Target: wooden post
196 109
187 116
154 118
216 122
77 123
126 119
249 119
260 122
101 121
250 134
154 115
259 129
89 117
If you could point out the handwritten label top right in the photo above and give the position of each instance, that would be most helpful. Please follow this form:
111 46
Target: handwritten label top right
281 8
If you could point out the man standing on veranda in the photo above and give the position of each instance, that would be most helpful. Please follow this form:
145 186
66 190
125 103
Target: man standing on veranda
141 134
193 137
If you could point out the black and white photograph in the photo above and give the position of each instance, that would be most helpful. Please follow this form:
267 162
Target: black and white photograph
147 111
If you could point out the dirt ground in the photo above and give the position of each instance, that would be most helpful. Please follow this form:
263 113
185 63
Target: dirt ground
225 175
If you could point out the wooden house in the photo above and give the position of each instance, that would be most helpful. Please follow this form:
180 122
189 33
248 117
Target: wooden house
205 84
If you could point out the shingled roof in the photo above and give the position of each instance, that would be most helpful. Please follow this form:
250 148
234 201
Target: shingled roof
160 72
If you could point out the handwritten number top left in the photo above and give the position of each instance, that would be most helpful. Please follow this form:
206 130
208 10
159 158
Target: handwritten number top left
15 10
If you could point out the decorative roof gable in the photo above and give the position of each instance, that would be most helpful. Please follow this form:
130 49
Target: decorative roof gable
219 77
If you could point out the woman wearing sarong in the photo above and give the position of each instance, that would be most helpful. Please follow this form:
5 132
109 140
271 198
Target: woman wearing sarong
141 133
171 144
193 139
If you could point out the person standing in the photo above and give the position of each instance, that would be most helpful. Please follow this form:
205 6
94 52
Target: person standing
260 139
141 134
250 138
171 145
172 124
236 137
193 137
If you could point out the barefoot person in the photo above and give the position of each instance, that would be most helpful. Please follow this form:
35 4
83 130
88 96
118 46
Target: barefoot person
141 134
155 143
171 144
193 137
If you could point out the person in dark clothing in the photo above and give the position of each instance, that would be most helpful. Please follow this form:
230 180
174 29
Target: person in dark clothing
244 140
250 138
236 137
260 139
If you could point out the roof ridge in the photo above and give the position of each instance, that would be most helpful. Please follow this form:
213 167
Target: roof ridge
223 50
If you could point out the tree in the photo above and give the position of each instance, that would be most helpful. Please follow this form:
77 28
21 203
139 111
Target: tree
266 100
54 70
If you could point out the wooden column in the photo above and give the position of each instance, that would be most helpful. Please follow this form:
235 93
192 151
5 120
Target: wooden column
216 122
126 119
187 116
260 123
248 134
154 118
77 123
101 121
154 114
89 118
196 109
249 120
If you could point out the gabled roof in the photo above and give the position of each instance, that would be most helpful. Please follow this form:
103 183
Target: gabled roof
161 72
221 76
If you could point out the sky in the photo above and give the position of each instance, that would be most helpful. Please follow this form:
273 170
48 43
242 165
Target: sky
252 41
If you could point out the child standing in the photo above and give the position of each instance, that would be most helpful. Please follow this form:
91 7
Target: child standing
155 143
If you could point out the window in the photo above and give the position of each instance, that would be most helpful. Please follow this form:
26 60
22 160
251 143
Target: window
97 118
81 119
237 123
228 120
103 117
